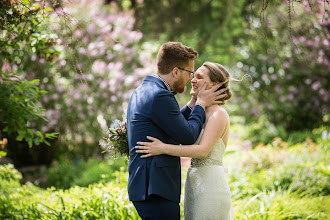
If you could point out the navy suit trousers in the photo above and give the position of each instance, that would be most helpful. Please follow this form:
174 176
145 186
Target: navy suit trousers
157 208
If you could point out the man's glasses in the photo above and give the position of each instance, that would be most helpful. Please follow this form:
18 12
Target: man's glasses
192 73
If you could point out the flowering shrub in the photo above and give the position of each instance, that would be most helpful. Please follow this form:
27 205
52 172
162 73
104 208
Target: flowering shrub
289 67
90 83
101 66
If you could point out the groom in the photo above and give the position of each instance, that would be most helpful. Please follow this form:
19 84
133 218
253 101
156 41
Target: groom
154 183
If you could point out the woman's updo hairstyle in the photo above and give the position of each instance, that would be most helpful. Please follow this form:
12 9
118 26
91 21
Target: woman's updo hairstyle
218 73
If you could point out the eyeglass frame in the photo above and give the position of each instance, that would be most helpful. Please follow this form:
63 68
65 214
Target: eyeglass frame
192 73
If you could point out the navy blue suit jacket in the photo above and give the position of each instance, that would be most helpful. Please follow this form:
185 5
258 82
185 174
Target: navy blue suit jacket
153 111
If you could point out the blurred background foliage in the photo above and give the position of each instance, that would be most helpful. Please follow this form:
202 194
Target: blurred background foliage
79 61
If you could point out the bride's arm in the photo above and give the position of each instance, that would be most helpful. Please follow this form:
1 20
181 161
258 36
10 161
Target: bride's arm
214 128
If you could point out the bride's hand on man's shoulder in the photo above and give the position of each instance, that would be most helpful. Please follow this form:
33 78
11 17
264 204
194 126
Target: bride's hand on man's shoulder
149 149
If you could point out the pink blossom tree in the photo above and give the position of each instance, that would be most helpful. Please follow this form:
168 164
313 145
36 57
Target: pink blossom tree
90 83
289 68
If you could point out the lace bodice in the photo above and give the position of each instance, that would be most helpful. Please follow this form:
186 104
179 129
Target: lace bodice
215 157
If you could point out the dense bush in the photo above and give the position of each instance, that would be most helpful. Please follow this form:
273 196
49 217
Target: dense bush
264 132
98 201
66 173
296 168
22 34
313 178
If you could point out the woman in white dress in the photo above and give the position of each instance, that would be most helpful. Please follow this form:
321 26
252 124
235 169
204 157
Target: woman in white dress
207 194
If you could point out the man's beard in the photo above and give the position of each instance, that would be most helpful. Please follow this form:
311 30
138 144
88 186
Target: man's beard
179 86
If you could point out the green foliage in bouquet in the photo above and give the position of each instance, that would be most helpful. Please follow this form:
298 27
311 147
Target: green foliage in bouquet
117 142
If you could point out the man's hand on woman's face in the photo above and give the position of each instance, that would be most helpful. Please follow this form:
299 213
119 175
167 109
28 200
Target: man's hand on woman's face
208 97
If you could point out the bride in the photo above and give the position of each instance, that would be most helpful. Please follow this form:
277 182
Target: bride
207 194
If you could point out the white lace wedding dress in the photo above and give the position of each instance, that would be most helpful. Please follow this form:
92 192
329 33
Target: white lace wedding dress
207 194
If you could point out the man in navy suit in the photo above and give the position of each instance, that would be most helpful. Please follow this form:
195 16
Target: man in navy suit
154 183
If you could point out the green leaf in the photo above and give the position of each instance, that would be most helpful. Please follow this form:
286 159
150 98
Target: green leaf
3 154
25 2
48 9
20 136
36 141
19 89
46 142
30 143
40 134
33 42
30 132
36 6
52 135
34 81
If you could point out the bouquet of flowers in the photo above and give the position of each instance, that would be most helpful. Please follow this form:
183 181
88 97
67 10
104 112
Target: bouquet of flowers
117 142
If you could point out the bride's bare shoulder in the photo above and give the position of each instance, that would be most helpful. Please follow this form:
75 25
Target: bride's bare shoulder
217 112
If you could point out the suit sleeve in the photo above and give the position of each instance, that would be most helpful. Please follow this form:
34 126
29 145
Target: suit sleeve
166 114
185 111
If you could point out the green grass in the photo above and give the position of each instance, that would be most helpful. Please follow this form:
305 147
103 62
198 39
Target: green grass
277 205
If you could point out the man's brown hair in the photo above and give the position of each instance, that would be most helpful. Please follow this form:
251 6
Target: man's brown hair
174 54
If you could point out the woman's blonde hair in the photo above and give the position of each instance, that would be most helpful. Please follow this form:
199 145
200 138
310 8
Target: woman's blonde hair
218 73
